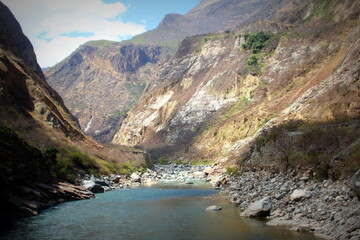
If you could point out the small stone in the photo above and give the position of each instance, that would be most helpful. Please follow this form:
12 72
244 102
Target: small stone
300 194
213 208
305 179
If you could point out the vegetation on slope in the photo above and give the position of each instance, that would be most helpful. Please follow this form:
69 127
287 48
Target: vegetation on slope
330 149
40 148
256 43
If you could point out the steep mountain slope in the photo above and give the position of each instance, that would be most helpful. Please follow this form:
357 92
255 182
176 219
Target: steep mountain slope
41 143
23 86
102 80
209 16
222 96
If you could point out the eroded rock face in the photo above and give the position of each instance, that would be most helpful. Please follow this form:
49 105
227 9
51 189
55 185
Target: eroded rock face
31 200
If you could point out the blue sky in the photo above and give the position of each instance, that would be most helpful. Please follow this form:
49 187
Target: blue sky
152 11
57 27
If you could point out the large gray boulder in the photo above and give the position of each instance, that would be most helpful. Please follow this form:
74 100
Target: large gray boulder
355 183
258 209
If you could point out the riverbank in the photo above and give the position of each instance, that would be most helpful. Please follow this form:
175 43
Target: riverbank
328 209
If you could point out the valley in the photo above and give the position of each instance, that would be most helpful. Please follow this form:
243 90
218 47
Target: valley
257 99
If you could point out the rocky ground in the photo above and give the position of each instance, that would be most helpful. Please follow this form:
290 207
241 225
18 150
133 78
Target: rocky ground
328 209
30 200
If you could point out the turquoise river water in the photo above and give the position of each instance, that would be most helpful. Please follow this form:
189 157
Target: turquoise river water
163 212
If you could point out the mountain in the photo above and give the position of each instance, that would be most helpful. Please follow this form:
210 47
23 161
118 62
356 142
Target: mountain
271 94
23 85
43 152
209 16
102 80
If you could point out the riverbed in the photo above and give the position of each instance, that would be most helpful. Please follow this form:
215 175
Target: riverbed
164 211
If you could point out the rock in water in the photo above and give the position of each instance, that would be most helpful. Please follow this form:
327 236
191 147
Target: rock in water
97 189
259 208
355 183
213 208
299 194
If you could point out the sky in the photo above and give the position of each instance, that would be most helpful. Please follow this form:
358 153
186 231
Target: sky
57 27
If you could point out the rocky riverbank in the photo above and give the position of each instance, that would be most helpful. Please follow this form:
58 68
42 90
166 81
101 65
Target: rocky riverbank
30 200
329 209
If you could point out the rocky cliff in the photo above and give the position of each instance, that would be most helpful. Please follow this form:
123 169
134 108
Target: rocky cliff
249 95
101 80
23 85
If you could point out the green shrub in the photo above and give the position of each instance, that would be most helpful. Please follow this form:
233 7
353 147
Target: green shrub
205 162
50 154
256 41
233 171
126 168
163 161
253 60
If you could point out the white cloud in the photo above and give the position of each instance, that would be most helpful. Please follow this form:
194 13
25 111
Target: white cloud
49 24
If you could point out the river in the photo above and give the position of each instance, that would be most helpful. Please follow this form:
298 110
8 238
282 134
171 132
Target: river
163 212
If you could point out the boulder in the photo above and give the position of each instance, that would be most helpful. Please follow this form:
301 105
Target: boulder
199 174
135 177
88 184
115 178
258 209
235 199
355 183
213 208
208 170
102 183
97 189
300 194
